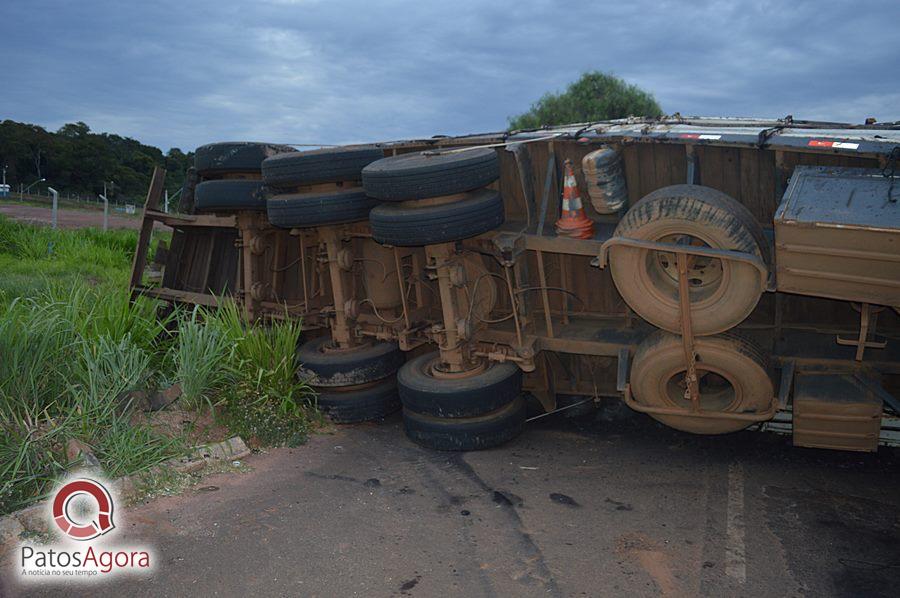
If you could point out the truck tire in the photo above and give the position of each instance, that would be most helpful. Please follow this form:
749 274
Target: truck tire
467 433
360 404
229 194
417 226
430 174
234 156
303 210
723 292
328 165
495 387
333 368
733 375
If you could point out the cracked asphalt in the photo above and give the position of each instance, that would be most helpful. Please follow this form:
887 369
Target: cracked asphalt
571 508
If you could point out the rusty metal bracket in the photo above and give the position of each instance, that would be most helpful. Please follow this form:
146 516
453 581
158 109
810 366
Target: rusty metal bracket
879 391
341 334
683 253
724 254
550 177
687 333
622 370
509 246
787 382
758 416
523 166
867 319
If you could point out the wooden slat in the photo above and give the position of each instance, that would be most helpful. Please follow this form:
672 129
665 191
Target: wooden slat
177 295
632 173
662 167
180 220
647 160
677 165
154 196
174 259
769 198
710 166
749 182
731 172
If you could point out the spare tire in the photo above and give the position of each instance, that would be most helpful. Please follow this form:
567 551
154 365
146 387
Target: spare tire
328 165
722 292
229 194
302 210
430 174
417 226
733 374
234 156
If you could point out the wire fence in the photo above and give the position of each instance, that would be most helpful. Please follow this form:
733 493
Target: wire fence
70 200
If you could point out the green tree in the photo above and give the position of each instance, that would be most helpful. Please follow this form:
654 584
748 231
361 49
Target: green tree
76 160
595 96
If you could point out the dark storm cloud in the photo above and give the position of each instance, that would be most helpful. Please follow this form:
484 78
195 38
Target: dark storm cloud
184 73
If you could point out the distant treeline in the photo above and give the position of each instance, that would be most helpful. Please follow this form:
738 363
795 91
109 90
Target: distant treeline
75 161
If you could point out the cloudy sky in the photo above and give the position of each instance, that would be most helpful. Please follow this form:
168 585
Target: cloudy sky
186 72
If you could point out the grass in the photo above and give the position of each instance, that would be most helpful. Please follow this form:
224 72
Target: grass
266 404
73 345
64 379
199 361
246 373
35 258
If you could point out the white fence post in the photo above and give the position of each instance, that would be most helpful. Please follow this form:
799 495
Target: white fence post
55 204
105 212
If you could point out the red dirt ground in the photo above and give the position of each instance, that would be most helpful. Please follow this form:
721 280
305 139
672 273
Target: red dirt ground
67 218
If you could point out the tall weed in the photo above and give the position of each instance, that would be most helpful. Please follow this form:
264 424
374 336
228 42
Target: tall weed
36 345
200 358
266 403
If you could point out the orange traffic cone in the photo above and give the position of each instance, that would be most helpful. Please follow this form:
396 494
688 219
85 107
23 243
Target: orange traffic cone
573 222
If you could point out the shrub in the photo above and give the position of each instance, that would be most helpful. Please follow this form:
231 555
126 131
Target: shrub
267 402
595 96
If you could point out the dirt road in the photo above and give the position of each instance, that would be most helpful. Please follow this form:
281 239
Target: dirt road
568 509
67 217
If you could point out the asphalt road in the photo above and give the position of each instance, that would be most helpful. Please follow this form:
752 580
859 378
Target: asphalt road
568 509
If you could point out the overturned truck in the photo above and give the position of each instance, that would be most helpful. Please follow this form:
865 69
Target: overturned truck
724 273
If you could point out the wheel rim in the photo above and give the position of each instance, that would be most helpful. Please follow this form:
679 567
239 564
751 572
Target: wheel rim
719 391
435 368
329 348
708 278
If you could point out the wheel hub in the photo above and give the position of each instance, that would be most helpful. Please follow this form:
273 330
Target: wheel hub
437 369
332 348
702 271
717 392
